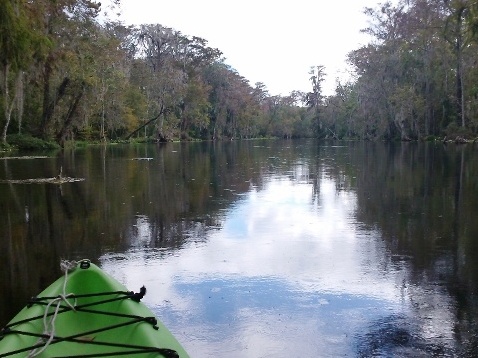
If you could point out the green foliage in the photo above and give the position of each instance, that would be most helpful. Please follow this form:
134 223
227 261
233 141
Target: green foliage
5 147
430 138
15 35
453 131
414 79
28 142
81 79
103 81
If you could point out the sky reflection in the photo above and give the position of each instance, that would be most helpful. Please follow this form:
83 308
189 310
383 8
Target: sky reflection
288 273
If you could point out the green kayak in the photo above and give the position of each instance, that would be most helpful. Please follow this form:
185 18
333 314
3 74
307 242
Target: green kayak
87 313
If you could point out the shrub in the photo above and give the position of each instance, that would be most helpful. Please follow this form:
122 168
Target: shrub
27 142
453 131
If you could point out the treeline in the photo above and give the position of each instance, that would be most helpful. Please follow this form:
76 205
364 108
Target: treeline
66 75
417 78
69 74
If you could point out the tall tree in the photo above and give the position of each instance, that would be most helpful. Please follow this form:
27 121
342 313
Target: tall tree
167 81
18 44
459 35
314 99
66 23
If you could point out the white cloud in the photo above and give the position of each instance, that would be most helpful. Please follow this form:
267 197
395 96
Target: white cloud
285 263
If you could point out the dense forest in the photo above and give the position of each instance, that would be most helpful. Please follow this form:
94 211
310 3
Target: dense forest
69 73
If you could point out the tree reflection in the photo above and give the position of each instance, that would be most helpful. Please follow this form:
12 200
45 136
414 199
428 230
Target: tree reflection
179 194
420 197
396 336
423 199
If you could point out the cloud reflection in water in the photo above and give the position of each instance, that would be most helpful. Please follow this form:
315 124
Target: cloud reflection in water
289 273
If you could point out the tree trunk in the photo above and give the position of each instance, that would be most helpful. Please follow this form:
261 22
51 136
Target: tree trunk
428 101
20 101
46 98
61 137
459 87
145 124
8 104
459 46
400 124
160 134
462 97
48 103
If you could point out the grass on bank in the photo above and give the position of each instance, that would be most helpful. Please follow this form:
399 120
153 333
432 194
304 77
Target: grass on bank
29 143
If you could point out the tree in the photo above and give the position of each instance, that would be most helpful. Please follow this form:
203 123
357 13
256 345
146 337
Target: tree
110 96
402 76
195 108
166 85
66 23
459 35
19 43
314 99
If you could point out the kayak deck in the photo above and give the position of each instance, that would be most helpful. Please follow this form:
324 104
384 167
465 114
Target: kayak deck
87 313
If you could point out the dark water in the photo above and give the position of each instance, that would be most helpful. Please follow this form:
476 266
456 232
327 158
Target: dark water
263 248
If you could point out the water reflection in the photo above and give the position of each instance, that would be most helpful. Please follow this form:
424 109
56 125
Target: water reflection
287 274
264 249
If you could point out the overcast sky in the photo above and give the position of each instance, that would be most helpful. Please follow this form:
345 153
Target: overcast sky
269 41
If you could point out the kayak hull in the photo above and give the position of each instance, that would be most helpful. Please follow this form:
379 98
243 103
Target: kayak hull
97 316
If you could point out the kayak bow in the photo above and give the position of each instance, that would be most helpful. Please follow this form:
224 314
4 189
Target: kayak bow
87 313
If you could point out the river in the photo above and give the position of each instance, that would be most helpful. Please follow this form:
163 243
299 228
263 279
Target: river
263 248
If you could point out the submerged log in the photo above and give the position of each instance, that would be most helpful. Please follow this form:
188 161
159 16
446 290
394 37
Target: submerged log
55 180
25 157
460 140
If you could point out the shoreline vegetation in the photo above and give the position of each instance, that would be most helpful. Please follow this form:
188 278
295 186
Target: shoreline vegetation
31 144
68 78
